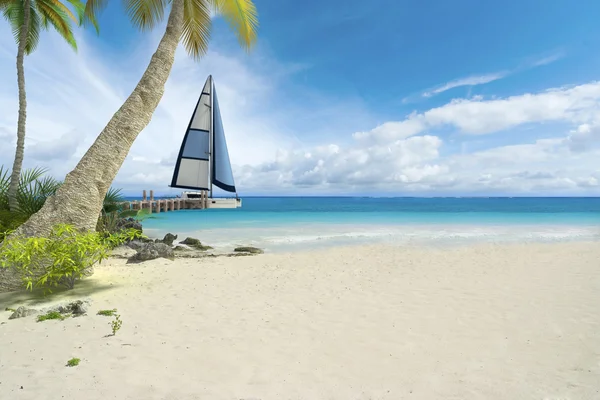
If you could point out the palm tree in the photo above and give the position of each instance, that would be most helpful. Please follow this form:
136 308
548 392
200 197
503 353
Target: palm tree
27 18
79 200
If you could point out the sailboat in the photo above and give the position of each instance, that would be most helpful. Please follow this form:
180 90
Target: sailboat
203 160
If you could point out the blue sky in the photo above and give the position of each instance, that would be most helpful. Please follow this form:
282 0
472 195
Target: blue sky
344 97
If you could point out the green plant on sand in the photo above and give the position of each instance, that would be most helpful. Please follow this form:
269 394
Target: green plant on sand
107 313
116 324
78 202
50 315
73 362
65 256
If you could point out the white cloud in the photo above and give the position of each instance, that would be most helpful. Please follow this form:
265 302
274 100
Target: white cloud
280 136
482 79
468 81
477 116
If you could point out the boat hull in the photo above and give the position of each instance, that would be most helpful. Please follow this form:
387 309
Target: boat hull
225 203
214 202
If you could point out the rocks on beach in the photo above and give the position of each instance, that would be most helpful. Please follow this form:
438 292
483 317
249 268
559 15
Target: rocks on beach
248 249
137 251
75 308
151 251
195 244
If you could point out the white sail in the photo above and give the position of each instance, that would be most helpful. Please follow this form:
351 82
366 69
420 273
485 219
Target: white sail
192 169
203 159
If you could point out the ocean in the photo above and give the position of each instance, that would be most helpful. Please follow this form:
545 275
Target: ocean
279 224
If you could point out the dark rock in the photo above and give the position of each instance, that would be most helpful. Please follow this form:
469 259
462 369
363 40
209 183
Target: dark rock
76 308
135 244
190 241
123 251
169 238
239 254
23 312
151 251
181 248
248 249
129 223
196 244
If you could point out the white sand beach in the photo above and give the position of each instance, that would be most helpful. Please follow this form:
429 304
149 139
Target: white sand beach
376 322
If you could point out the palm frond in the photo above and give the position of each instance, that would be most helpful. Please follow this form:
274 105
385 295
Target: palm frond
145 14
58 4
13 12
57 17
34 189
113 195
196 27
112 201
93 8
4 184
242 18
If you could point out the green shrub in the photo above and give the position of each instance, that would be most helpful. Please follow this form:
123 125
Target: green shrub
73 362
107 313
50 315
62 258
116 324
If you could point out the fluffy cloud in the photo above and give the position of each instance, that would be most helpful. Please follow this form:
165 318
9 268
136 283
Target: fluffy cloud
281 137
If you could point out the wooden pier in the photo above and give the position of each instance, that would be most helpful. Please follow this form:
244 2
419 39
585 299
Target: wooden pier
164 205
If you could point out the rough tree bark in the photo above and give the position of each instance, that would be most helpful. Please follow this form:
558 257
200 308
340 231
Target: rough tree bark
79 199
18 162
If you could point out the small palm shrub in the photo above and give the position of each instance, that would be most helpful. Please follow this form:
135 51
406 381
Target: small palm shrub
34 189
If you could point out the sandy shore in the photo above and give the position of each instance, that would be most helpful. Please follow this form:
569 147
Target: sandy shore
485 322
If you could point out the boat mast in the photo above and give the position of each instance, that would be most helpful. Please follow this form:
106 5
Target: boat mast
211 135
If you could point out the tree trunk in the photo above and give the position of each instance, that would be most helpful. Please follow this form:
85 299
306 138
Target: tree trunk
18 162
79 199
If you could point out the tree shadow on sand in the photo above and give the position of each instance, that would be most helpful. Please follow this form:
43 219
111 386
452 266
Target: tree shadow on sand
83 288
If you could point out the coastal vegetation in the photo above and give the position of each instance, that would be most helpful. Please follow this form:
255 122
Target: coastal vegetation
62 258
79 200
27 19
53 232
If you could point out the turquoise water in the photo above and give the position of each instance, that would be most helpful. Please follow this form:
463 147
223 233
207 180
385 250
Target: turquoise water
287 223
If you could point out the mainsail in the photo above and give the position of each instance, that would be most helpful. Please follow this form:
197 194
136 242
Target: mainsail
203 159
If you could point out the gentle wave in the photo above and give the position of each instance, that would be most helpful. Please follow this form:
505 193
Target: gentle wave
309 236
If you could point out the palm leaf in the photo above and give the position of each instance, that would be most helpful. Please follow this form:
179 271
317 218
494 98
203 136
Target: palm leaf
242 18
57 17
13 12
91 12
145 14
196 27
66 10
4 184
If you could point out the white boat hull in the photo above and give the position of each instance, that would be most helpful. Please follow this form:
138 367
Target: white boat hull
224 203
214 202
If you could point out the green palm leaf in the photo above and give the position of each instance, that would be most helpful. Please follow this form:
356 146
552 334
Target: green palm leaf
57 17
14 13
196 27
242 18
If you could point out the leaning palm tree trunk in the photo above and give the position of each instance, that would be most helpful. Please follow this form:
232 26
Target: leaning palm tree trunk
79 199
18 162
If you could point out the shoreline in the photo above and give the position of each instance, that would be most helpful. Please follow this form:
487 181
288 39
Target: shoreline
490 321
305 237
